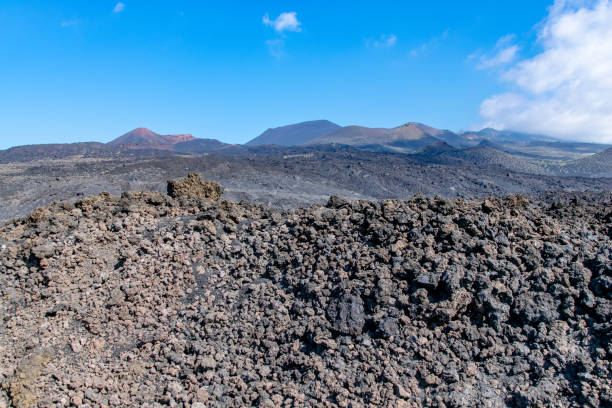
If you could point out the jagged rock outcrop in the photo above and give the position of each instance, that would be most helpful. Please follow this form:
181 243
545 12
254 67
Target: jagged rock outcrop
193 187
148 300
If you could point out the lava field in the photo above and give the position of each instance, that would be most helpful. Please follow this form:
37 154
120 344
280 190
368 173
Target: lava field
151 300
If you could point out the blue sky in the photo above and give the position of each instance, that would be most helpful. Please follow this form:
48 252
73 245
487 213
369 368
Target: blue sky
92 70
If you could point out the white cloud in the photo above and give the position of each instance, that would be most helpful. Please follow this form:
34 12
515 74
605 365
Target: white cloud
384 41
119 7
505 53
431 43
565 90
276 47
284 22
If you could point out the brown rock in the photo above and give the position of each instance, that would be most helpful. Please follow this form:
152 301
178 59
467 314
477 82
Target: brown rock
23 386
193 187
96 345
432 379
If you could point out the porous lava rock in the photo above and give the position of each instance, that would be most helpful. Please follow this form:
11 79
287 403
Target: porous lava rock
193 187
151 300
346 314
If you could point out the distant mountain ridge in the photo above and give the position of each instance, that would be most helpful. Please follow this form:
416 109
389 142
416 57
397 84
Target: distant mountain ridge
146 138
295 134
515 151
143 138
405 138
54 151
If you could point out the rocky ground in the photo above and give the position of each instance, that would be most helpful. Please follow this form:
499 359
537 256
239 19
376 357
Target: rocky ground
283 177
149 300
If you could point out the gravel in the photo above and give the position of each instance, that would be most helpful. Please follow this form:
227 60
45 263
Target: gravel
149 300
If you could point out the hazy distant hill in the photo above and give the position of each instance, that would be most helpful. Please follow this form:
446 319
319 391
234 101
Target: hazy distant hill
489 147
294 135
484 154
138 142
435 149
406 138
490 144
495 135
145 138
597 165
207 146
54 151
531 145
551 150
487 153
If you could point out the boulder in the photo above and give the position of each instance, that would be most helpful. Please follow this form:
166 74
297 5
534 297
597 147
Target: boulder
193 187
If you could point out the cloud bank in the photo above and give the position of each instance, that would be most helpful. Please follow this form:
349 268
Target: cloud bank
284 22
566 89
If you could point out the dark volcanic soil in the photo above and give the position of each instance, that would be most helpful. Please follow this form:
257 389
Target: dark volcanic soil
147 300
281 177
